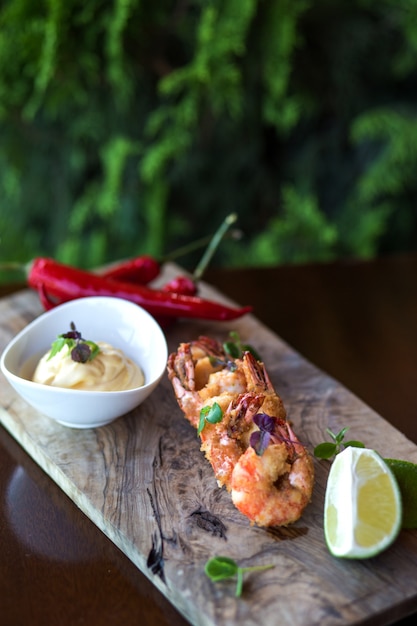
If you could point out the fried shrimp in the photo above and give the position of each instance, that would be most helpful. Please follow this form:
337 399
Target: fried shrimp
252 449
200 376
257 380
273 488
225 442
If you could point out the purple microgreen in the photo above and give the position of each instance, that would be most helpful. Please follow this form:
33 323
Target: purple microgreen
81 352
259 441
80 349
215 361
73 333
264 422
223 567
212 414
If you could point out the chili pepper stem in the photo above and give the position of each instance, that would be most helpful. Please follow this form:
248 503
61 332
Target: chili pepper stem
212 242
195 245
213 245
14 266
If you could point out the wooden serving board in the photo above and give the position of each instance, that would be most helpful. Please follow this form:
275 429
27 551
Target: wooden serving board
144 482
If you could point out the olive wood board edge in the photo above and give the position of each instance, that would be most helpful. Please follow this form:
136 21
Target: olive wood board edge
144 482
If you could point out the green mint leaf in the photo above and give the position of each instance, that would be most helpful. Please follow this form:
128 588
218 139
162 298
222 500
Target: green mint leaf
232 349
247 348
220 568
57 346
234 335
332 434
239 583
236 349
80 349
94 349
201 423
325 450
223 567
212 414
353 444
215 414
341 434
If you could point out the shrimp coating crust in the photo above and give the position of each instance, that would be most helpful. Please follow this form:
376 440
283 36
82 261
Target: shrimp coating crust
271 486
273 489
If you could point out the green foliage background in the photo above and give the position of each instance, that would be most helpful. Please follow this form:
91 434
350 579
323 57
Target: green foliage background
129 126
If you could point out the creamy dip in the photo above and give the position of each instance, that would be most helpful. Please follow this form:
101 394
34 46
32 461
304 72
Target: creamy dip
109 370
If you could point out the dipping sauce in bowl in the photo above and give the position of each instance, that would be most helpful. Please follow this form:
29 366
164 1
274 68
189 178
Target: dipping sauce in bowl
109 370
123 325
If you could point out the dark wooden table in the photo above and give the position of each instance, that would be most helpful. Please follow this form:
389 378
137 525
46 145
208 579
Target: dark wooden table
355 320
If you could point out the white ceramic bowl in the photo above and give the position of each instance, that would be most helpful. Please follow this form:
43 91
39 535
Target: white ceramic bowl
118 322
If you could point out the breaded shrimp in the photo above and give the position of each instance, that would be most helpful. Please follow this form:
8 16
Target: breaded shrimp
270 483
274 487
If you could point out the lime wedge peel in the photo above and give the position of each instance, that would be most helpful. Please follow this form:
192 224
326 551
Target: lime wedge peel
363 508
406 474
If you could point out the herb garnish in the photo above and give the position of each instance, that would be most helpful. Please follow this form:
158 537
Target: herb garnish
81 350
222 567
235 348
212 414
259 439
327 449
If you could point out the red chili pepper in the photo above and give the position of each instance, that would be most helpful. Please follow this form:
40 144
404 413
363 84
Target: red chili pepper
54 280
46 301
140 270
181 284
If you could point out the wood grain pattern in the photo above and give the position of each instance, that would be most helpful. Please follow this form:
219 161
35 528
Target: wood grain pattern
143 481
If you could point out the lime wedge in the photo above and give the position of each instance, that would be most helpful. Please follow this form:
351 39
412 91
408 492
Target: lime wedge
406 474
362 508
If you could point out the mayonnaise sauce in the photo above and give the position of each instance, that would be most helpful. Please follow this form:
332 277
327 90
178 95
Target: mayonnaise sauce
109 370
